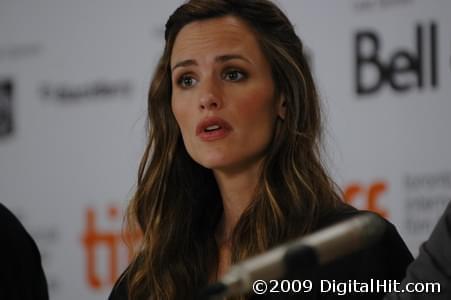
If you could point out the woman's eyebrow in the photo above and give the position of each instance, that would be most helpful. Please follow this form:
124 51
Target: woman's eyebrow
220 58
226 57
185 63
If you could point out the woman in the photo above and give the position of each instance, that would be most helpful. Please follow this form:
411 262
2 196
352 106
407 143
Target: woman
232 166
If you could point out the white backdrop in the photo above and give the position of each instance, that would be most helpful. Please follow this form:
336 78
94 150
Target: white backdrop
73 84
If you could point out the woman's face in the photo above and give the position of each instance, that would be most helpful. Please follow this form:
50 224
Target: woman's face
223 94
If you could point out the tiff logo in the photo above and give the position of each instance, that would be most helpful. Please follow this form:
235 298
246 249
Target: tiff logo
113 241
369 193
6 111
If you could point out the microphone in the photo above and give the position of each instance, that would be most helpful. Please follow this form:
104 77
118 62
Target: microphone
308 252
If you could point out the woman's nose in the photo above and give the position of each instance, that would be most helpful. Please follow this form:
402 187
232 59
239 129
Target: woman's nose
210 97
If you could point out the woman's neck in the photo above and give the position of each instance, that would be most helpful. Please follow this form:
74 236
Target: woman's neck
237 190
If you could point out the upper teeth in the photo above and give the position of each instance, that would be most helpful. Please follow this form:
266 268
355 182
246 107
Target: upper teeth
212 127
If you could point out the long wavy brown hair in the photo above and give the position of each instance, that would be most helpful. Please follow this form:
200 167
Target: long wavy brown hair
177 204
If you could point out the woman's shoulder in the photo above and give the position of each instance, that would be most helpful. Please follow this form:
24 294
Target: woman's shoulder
388 258
390 239
345 211
120 290
339 213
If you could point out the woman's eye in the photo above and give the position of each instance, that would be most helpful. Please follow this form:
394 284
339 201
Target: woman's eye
234 75
187 81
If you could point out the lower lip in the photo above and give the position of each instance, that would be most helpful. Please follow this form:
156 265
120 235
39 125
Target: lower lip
214 135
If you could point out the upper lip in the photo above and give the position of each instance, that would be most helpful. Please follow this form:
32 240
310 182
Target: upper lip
210 121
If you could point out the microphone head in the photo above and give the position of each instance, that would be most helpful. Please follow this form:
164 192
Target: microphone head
345 237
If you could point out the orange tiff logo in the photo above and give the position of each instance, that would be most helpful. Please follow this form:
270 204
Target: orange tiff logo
370 194
113 241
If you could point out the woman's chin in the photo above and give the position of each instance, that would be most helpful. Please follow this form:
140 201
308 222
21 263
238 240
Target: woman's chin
229 167
227 162
213 164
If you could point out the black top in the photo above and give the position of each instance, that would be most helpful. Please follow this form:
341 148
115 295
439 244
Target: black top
433 264
21 274
387 259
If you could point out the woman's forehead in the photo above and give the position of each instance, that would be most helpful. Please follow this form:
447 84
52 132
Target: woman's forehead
209 38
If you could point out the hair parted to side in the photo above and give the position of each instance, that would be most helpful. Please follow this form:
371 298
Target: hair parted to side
177 204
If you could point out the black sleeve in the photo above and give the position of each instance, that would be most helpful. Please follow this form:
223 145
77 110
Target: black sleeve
21 273
433 264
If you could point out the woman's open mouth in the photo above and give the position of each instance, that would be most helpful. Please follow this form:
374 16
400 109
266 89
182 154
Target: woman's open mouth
213 128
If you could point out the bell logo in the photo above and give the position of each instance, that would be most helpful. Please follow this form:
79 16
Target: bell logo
370 194
94 240
404 69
